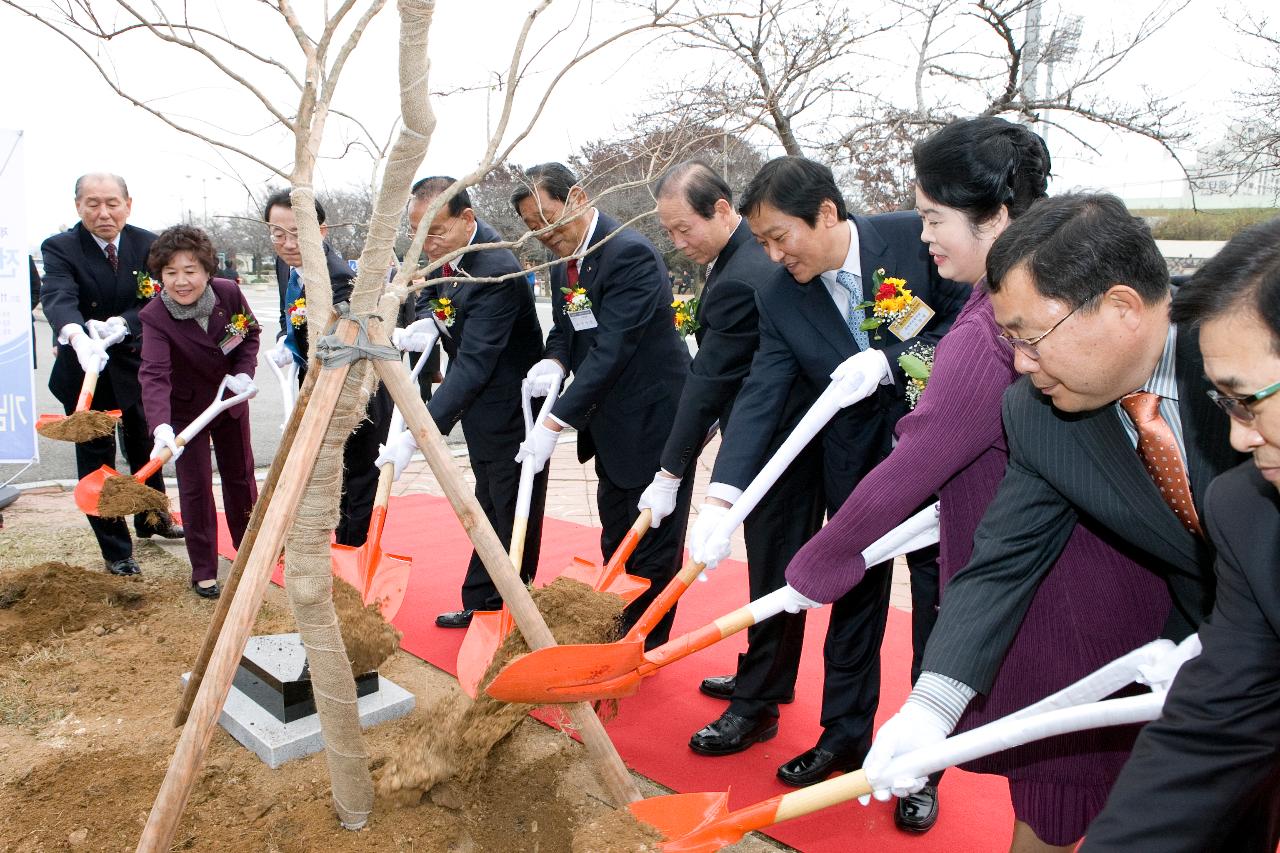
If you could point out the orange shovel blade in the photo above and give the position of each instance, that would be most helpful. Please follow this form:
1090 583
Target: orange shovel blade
604 579
570 674
690 823
44 420
387 585
89 490
346 564
486 632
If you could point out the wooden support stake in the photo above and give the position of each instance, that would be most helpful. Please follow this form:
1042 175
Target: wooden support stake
166 812
503 574
246 547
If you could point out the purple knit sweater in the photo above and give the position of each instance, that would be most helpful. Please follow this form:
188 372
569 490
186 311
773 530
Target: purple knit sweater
1094 605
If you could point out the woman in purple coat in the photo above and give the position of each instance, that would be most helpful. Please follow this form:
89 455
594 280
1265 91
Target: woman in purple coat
197 333
972 178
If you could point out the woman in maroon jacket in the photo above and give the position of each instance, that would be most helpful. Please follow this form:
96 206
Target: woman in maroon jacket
972 178
197 333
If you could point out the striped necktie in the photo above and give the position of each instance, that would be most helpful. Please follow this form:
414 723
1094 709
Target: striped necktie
854 316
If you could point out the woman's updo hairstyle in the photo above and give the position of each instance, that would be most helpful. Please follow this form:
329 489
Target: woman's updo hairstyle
977 164
181 238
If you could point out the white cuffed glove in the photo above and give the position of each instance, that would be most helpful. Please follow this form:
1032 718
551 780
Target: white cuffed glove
538 445
418 336
164 437
110 331
544 376
660 497
280 354
859 375
90 352
794 601
913 727
707 545
240 383
1159 674
398 451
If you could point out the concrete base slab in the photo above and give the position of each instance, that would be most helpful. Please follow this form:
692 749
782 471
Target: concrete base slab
276 742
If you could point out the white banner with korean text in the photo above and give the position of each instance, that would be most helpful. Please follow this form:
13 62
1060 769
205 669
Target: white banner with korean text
17 377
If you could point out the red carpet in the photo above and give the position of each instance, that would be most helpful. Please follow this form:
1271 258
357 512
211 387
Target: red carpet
652 728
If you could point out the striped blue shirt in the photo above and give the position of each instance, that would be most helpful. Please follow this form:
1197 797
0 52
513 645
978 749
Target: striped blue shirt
1164 382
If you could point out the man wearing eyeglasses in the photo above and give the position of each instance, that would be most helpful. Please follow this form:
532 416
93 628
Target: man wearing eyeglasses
360 479
1112 427
1212 759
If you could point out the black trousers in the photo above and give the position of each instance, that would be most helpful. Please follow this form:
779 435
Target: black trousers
774 531
658 556
851 654
497 486
135 443
360 478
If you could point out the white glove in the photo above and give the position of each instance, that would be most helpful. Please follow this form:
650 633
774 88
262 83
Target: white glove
164 437
398 451
706 544
280 354
538 446
418 336
912 728
240 383
110 331
858 376
544 376
794 601
90 352
660 497
1159 674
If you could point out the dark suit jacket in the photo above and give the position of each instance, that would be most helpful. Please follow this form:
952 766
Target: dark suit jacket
803 337
1065 468
80 285
182 364
628 371
494 340
1215 751
728 334
341 278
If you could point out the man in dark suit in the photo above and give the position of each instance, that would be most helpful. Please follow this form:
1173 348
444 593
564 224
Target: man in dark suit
695 206
810 329
1111 390
360 478
628 364
492 337
95 280
1205 775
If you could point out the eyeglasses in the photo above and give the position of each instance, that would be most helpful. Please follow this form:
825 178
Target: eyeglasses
1028 346
283 235
1239 408
444 230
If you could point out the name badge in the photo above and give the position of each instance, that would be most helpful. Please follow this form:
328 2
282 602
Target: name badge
229 343
910 324
582 320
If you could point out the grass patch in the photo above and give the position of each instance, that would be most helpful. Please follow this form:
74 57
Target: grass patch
1204 224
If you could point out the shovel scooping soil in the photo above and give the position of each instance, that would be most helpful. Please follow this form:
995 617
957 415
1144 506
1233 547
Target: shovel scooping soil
79 427
369 638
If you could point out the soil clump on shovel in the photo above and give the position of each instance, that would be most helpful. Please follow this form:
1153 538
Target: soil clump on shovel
53 598
79 427
616 832
452 740
123 495
370 639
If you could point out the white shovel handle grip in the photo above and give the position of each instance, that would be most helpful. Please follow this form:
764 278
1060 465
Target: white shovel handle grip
918 531
217 407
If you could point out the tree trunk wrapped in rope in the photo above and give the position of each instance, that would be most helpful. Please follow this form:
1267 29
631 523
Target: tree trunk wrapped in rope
308 569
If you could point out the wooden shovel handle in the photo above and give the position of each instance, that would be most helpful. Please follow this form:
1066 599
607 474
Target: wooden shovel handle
665 600
627 546
87 388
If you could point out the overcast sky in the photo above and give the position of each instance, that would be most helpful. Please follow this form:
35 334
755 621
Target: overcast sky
74 123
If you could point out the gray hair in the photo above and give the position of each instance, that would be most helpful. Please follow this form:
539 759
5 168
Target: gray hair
124 188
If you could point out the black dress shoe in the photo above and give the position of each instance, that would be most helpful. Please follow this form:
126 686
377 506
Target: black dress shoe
732 733
168 531
455 619
918 812
722 687
814 765
207 591
127 566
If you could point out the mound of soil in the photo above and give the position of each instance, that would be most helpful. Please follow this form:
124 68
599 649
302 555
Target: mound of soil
616 832
55 598
369 639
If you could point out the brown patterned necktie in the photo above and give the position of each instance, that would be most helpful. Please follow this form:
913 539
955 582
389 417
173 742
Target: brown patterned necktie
112 257
1159 451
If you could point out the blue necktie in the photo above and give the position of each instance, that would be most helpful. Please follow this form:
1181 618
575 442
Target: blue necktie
855 315
292 291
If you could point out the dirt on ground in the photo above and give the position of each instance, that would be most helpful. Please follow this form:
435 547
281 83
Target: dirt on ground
369 639
89 678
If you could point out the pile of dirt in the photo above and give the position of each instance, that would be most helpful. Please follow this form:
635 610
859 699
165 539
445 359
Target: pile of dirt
369 638
453 739
55 598
80 426
616 832
123 495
